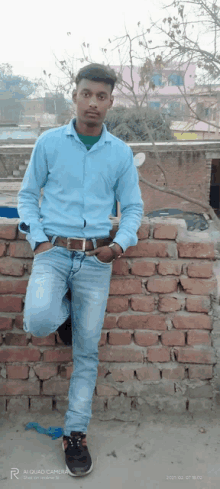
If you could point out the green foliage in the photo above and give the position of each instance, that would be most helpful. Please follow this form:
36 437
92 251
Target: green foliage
13 89
125 123
13 86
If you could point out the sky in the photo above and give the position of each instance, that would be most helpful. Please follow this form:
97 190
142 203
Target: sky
34 33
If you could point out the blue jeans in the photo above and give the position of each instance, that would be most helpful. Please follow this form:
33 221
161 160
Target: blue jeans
54 271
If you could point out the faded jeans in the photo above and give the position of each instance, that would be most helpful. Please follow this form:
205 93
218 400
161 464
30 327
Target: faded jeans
54 271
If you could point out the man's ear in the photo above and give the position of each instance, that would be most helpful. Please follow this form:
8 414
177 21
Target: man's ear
111 101
74 94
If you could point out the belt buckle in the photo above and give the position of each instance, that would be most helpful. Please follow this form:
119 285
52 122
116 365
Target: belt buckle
72 249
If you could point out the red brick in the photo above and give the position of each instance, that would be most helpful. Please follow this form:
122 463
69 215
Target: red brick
198 304
19 387
45 372
192 321
10 303
165 231
200 270
196 250
145 338
19 321
5 323
119 338
2 249
103 339
177 373
120 267
124 287
11 266
117 304
158 354
143 268
145 304
145 321
17 371
122 374
21 235
55 386
171 338
110 322
60 355
200 372
169 304
102 371
46 341
66 371
162 285
13 286
106 390
29 266
19 355
150 249
169 268
21 250
16 339
190 355
17 405
198 338
196 286
120 354
148 372
143 231
69 371
8 231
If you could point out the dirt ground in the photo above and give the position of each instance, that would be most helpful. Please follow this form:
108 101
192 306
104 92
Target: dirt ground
153 452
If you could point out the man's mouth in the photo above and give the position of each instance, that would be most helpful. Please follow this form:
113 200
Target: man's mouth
92 113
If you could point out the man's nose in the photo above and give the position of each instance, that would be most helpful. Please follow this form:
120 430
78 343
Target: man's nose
93 102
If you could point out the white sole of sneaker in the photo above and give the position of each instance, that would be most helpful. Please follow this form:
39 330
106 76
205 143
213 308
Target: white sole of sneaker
75 475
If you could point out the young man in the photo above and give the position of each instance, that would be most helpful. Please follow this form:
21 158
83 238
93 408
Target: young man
82 168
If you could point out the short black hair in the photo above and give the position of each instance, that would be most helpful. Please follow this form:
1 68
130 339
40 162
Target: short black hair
97 72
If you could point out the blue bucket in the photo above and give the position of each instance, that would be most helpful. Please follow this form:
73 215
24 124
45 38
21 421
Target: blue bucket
9 212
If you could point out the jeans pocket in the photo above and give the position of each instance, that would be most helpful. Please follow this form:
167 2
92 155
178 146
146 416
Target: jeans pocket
102 262
44 252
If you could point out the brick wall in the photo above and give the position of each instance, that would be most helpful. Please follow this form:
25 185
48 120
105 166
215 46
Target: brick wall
187 164
160 343
188 171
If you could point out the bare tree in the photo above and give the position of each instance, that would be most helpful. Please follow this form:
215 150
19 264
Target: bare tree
191 34
147 67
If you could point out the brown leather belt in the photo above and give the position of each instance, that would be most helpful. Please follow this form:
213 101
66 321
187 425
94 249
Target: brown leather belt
80 244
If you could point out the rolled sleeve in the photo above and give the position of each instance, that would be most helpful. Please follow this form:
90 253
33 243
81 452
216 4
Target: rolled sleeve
128 193
28 197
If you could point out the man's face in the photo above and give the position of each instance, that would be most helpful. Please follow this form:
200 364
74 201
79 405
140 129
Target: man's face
95 97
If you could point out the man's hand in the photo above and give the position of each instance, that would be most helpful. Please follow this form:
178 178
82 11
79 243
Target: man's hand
104 253
43 247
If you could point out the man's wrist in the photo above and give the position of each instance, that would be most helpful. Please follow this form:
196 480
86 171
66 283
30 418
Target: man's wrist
116 248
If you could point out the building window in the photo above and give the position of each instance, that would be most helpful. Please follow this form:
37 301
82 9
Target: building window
154 105
157 80
173 108
175 80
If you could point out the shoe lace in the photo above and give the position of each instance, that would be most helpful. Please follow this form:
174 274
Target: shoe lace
76 442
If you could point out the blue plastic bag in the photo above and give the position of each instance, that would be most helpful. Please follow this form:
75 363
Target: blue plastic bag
53 431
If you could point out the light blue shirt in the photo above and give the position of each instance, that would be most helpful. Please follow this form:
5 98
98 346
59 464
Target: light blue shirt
80 188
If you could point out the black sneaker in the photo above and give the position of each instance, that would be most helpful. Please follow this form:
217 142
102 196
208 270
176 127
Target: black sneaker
78 459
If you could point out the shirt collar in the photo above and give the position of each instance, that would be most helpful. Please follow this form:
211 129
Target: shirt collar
105 135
